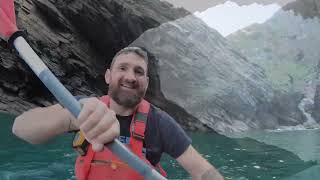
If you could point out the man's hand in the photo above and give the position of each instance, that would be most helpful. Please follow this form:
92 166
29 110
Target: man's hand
97 122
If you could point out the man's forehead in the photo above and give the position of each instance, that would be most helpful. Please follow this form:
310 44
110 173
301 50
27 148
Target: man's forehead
130 58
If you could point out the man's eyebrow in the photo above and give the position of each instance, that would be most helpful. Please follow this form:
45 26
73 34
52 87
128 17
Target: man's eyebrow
138 67
123 64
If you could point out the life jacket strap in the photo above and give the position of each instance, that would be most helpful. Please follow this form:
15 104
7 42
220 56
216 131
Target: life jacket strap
87 163
138 127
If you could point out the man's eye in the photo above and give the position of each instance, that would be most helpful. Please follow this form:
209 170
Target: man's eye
122 68
140 72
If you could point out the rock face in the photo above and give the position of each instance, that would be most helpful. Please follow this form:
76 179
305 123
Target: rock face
202 72
195 74
111 25
315 110
310 10
286 47
65 52
306 8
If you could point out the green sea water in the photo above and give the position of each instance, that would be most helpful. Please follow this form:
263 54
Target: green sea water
236 158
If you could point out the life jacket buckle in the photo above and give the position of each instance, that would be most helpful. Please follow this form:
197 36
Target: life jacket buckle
80 144
137 136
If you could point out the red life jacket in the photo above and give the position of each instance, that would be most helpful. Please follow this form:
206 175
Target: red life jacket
105 165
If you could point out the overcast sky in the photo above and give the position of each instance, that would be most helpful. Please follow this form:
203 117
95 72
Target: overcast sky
229 17
201 5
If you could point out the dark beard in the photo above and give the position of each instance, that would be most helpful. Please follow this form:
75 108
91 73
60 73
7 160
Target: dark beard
125 99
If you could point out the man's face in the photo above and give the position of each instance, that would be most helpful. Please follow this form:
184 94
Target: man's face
127 79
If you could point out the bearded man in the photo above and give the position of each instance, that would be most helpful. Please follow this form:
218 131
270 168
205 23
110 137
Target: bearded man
124 114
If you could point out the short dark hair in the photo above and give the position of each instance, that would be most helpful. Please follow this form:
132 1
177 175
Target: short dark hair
137 50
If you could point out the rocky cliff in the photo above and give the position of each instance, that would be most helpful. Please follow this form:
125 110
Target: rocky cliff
306 8
286 47
310 10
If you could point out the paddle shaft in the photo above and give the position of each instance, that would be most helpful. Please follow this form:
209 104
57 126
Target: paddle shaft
67 100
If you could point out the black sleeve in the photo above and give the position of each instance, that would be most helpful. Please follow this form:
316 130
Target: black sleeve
174 140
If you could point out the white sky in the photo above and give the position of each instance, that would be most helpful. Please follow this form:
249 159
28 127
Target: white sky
229 17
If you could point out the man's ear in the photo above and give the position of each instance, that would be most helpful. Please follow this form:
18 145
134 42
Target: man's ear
107 76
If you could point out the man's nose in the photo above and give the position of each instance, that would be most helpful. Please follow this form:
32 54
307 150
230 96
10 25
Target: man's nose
130 76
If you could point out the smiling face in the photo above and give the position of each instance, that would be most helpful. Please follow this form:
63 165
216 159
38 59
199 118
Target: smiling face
127 79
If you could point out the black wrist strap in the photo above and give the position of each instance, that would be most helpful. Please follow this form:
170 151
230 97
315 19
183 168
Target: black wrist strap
14 36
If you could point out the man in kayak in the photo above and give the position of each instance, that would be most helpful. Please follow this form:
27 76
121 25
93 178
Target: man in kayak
123 114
